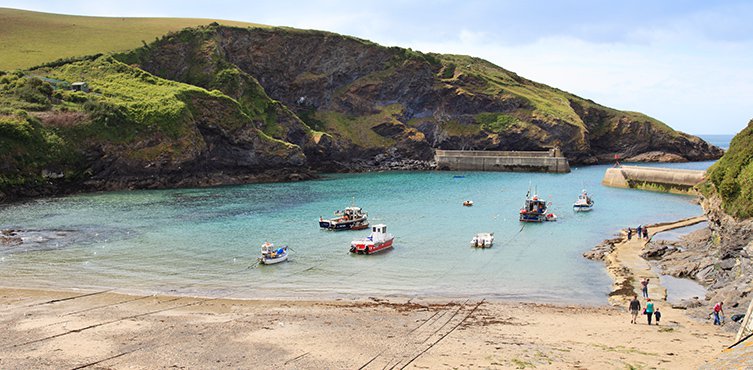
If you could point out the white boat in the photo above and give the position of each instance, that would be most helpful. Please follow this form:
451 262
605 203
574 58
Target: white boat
271 254
378 241
483 240
468 203
584 203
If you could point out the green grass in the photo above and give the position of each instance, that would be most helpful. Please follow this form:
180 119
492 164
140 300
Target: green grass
358 129
31 38
732 175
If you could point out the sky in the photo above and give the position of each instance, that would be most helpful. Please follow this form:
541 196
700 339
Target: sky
686 63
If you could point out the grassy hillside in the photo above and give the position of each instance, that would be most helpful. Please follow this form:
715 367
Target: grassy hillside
32 38
732 175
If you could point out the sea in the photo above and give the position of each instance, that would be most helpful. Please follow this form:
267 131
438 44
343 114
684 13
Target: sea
205 242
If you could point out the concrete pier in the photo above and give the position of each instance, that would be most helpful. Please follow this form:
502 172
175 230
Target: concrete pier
653 178
481 160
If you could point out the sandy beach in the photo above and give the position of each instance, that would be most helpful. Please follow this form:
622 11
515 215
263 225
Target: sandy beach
67 329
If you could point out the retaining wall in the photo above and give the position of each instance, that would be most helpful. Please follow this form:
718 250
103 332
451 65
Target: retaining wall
480 160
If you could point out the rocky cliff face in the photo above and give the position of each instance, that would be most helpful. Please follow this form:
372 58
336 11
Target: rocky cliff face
216 105
367 96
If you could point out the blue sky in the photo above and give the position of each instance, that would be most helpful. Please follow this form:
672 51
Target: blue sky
687 63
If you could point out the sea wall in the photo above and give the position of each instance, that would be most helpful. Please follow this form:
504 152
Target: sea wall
652 178
522 161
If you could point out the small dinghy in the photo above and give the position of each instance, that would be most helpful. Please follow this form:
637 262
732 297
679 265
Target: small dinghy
584 203
271 254
483 240
468 203
378 241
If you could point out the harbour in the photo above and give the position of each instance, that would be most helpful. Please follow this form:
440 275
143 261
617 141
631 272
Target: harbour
204 242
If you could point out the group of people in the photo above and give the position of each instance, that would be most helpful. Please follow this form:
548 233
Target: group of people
640 231
650 311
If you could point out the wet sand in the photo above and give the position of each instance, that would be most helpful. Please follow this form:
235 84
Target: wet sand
68 329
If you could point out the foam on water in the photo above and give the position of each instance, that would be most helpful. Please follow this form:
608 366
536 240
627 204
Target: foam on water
205 241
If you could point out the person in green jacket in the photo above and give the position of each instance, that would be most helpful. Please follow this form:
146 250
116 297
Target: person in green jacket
649 309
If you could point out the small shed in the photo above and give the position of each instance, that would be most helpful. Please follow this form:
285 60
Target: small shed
80 86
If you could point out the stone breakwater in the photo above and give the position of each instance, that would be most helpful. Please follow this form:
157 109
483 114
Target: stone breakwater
649 178
516 161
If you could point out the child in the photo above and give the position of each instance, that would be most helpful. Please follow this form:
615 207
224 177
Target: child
657 316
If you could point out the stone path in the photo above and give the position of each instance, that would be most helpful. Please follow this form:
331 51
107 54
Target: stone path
628 268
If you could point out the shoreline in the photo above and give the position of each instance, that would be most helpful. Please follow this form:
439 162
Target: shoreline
55 328
626 267
72 328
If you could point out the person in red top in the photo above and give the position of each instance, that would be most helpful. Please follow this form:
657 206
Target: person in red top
718 313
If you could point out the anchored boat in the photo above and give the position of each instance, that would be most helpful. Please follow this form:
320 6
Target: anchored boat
535 210
378 241
483 240
584 203
468 203
351 218
271 254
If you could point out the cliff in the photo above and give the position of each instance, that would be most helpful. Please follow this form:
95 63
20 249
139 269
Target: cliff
368 96
719 257
216 105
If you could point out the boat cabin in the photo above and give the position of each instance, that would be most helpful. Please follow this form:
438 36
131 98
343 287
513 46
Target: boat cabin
379 229
535 205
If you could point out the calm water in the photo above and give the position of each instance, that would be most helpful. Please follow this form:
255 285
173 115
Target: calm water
721 141
205 241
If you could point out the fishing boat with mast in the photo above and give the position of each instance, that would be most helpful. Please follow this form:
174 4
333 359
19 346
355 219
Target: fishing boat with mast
351 218
535 209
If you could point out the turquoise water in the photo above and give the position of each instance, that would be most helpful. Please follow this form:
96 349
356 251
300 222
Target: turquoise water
205 241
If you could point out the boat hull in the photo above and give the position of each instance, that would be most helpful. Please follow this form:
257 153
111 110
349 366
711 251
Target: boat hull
272 261
369 247
359 224
584 208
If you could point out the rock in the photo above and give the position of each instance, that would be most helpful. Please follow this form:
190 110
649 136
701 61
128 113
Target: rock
657 156
599 252
687 303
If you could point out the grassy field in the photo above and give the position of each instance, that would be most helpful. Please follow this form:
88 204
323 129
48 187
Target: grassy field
30 38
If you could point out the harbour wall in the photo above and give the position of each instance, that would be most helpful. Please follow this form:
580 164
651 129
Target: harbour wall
652 178
519 161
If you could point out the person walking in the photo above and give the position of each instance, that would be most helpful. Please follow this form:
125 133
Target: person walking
644 287
635 308
645 233
639 231
649 310
657 315
718 313
630 233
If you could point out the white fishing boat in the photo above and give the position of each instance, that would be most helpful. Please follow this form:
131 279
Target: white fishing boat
271 254
483 240
584 203
378 241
